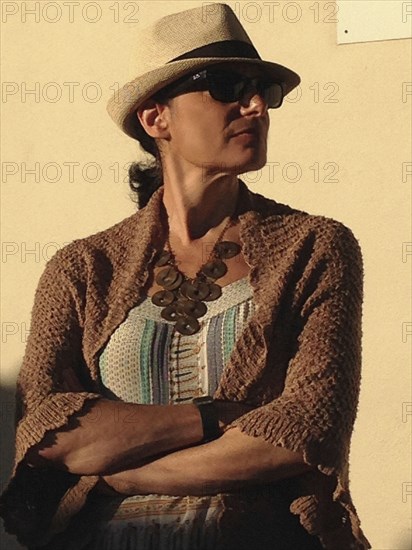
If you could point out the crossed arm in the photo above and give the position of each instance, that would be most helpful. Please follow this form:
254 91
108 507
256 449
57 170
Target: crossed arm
233 461
121 442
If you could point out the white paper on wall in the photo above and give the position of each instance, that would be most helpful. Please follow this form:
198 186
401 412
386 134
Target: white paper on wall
369 20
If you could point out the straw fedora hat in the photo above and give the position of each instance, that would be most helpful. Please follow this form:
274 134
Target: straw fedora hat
179 44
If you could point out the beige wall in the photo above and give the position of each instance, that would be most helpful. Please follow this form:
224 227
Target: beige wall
345 139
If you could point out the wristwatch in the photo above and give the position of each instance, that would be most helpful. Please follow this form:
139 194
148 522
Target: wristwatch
210 419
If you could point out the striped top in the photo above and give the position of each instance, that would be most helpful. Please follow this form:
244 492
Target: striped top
147 361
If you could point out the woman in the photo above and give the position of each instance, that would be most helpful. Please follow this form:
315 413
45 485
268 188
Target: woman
192 373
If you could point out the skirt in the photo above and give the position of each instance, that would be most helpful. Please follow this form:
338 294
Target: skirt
254 519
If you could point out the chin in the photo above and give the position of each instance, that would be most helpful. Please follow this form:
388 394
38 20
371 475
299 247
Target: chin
251 164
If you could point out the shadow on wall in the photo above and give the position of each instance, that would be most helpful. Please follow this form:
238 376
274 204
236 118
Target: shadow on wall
7 542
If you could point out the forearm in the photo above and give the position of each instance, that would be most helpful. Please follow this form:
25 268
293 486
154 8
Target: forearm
229 463
112 435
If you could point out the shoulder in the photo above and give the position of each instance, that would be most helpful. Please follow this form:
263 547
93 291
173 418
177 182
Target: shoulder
293 240
280 220
307 248
106 246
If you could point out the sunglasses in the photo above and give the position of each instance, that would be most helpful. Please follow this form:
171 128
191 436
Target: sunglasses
226 87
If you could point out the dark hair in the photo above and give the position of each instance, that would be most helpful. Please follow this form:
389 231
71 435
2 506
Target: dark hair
146 176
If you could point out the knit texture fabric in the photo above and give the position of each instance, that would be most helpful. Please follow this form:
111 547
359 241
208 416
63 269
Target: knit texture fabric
297 361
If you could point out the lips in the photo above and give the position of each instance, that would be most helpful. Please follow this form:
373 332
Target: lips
246 133
251 131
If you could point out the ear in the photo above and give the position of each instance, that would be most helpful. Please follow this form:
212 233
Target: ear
152 117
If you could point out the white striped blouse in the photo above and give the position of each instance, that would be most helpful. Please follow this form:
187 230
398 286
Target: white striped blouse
147 362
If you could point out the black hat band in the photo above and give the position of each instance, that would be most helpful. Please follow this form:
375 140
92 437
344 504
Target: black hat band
223 48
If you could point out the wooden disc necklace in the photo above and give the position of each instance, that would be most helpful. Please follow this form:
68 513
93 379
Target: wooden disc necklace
182 298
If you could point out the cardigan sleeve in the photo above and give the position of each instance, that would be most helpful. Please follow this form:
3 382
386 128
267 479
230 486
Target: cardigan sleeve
316 410
48 391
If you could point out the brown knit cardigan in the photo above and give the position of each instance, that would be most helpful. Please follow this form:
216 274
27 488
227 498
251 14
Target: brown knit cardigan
298 359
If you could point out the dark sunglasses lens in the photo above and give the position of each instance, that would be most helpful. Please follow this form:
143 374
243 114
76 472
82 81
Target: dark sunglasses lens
229 87
273 95
225 87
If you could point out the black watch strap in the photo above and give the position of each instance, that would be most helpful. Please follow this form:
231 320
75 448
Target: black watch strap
210 419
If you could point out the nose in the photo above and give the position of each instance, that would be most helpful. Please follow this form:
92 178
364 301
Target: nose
253 103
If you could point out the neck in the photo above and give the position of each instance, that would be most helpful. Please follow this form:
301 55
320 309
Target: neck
198 205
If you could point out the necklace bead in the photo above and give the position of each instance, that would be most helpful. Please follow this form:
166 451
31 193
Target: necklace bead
227 249
195 290
170 278
163 298
214 269
163 259
193 308
170 313
215 291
